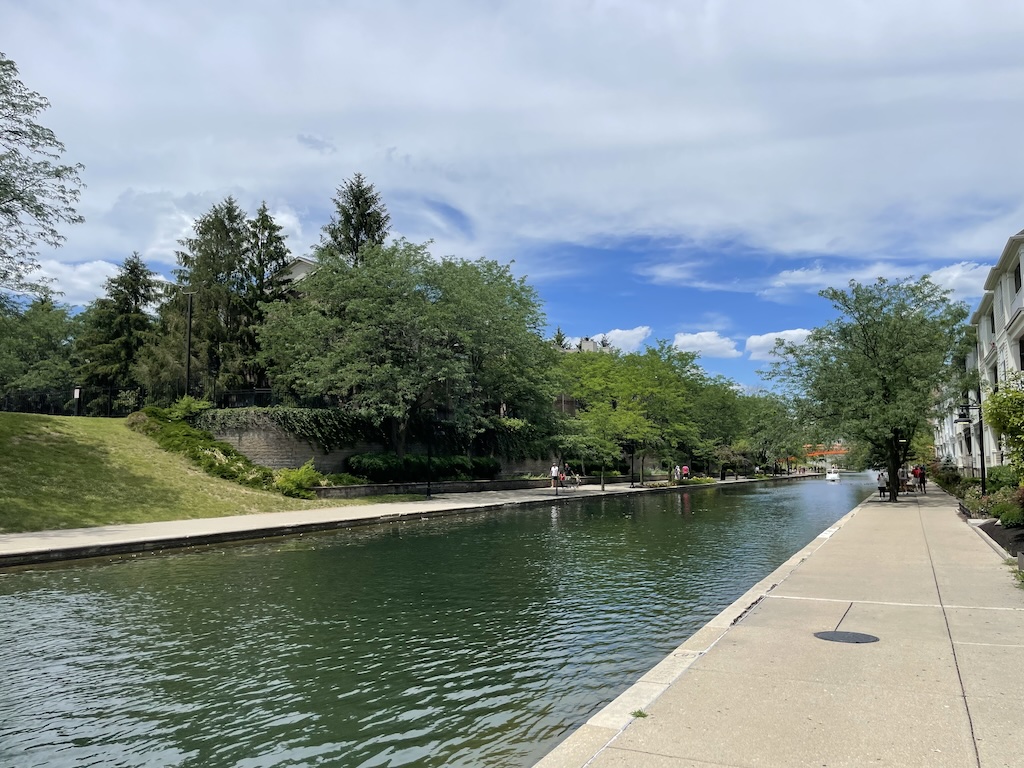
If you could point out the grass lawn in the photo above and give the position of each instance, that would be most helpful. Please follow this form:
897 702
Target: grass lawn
77 472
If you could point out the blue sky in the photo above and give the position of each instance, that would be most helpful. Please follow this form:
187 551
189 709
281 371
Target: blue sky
686 170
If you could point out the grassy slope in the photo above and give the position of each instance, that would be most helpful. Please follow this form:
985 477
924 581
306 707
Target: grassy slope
67 472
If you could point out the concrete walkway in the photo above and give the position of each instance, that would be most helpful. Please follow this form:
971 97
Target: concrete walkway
943 685
50 546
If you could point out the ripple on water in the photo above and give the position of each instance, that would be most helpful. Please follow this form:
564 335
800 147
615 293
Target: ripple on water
469 641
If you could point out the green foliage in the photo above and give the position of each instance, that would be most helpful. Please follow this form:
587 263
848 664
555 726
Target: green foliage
37 192
116 327
230 269
1001 476
402 339
390 468
946 476
215 458
297 482
343 478
36 346
1010 513
186 408
360 220
1004 412
872 374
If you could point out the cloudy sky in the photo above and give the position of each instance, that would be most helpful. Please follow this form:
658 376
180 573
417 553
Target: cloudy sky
690 170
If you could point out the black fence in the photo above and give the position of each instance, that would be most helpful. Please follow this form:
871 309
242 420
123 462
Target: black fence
77 401
100 401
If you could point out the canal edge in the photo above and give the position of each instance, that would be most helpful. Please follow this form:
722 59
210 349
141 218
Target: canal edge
584 744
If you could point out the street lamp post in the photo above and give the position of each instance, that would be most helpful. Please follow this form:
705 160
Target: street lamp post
964 418
188 344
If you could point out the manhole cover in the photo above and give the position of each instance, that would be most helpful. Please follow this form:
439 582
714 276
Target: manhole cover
846 637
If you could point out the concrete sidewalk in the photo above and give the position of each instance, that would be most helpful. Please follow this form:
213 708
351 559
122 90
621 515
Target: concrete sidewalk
943 685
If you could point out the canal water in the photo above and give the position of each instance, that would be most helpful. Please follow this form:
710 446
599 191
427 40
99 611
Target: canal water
480 640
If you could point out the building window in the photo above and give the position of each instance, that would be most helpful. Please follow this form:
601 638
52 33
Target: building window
1016 277
992 321
1020 354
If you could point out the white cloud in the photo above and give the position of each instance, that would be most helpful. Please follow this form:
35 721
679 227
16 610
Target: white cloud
760 347
837 128
628 340
624 340
707 343
965 280
80 283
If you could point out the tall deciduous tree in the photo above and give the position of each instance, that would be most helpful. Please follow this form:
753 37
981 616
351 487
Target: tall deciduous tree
360 220
38 192
873 372
400 337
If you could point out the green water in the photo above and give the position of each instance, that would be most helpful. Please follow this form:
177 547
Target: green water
470 641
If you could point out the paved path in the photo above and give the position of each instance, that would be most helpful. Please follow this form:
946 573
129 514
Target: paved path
942 686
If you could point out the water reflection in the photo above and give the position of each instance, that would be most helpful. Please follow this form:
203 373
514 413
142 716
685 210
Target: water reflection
480 640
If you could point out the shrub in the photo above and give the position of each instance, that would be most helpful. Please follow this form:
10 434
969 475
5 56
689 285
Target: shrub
1010 513
389 468
297 482
187 407
343 478
213 457
1001 476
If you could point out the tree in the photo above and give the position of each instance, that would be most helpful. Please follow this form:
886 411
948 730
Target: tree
36 347
262 284
1003 411
873 373
117 326
37 191
213 263
400 338
360 220
560 340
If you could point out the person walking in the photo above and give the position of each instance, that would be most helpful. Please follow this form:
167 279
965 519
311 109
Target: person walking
883 483
554 475
921 479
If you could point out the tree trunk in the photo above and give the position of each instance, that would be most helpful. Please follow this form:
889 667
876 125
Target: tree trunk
894 470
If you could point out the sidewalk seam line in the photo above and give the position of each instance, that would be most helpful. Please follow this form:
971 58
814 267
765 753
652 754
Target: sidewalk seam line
949 634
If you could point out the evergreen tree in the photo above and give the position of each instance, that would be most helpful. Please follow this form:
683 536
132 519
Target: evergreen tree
117 326
263 284
213 268
360 220
36 347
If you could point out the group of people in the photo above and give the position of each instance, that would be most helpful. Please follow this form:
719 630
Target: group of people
918 473
681 473
559 475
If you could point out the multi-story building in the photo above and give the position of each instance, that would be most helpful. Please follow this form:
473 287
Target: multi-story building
999 323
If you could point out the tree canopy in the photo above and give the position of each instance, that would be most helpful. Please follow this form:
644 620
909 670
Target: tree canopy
873 373
38 191
360 219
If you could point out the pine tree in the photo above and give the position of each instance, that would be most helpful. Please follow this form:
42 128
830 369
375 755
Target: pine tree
263 284
361 220
117 326
213 267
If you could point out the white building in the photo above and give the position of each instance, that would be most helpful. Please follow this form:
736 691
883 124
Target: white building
999 323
